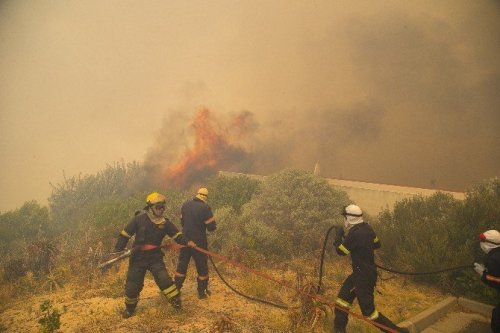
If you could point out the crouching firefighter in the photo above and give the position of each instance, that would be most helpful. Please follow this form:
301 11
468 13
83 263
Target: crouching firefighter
149 228
359 240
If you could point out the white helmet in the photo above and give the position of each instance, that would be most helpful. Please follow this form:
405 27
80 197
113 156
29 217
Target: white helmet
353 215
489 240
352 210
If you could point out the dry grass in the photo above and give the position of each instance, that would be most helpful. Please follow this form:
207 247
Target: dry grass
95 306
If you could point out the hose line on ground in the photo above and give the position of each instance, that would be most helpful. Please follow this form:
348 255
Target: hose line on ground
281 306
424 273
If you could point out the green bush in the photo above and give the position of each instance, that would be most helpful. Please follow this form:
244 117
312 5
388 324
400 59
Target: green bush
73 198
22 225
416 234
50 321
424 234
231 192
228 235
290 213
479 212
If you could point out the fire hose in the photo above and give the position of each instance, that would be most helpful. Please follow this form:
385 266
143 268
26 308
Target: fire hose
285 284
127 253
325 242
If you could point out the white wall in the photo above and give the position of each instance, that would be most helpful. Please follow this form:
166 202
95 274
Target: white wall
371 197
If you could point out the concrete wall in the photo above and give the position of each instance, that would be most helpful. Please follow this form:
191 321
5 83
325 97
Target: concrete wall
374 197
371 197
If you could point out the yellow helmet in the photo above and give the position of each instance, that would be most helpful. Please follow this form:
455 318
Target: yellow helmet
202 194
154 198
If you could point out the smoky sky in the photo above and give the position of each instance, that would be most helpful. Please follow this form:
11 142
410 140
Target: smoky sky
403 93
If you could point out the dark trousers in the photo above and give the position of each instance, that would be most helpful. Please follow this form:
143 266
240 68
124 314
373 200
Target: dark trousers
495 319
360 286
355 287
137 268
201 262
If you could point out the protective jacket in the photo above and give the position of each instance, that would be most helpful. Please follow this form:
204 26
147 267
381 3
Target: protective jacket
196 219
491 276
147 232
360 242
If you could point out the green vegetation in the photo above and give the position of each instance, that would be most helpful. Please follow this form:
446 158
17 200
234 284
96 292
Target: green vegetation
50 318
439 232
232 192
278 220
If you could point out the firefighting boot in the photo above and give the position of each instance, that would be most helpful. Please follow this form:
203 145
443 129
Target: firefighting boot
179 281
203 291
389 324
129 310
176 302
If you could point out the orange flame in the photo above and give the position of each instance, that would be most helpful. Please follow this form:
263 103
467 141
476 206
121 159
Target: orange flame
212 149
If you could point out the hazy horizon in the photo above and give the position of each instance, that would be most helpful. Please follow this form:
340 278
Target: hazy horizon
388 92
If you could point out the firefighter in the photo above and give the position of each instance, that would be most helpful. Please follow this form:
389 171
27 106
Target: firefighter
359 240
490 270
149 228
196 219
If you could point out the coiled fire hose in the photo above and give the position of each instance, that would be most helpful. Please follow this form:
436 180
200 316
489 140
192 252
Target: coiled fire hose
325 242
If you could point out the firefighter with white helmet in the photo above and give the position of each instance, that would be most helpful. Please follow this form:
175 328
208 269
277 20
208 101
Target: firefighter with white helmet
149 228
359 240
489 241
196 220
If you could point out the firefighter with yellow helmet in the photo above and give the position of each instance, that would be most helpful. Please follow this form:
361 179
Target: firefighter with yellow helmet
196 220
149 226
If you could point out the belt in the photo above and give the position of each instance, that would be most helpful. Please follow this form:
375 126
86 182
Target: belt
148 247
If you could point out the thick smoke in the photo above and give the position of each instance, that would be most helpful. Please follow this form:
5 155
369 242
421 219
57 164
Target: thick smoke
396 92
419 104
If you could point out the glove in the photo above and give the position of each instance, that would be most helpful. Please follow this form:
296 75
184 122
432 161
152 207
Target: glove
479 268
339 235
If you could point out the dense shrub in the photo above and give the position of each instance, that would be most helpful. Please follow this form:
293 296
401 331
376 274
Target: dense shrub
227 239
416 234
231 192
479 212
430 233
72 199
290 213
22 225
